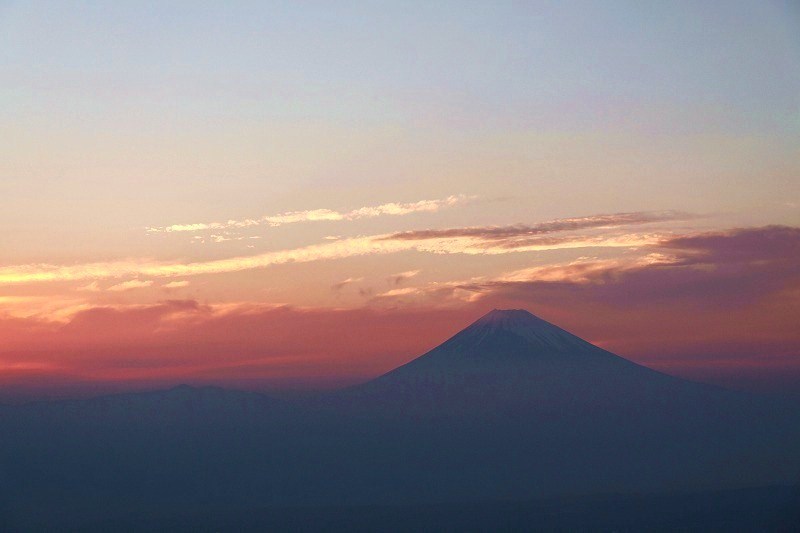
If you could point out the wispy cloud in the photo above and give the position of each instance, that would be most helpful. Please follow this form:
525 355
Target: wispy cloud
584 269
492 233
359 246
176 284
468 241
317 215
90 287
130 285
345 282
405 291
401 277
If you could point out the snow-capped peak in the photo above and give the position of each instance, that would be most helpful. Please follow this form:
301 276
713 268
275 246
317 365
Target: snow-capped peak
528 326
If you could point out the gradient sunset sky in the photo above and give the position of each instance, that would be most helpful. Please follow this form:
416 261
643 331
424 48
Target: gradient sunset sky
271 195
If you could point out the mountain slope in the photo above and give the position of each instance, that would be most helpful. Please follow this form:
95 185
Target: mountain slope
513 359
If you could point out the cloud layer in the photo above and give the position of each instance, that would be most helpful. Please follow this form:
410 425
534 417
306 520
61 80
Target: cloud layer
470 241
720 306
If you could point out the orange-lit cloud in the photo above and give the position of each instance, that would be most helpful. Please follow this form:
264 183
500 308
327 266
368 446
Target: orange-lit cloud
130 285
401 277
345 282
176 284
319 215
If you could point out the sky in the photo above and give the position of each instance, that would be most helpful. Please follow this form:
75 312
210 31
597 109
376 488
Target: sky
305 195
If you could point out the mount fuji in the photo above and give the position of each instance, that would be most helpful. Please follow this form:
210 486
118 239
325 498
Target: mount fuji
513 360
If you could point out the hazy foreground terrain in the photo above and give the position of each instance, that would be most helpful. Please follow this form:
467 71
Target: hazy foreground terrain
511 424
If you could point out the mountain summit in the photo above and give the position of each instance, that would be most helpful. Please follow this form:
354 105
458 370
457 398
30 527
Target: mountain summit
512 318
506 324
